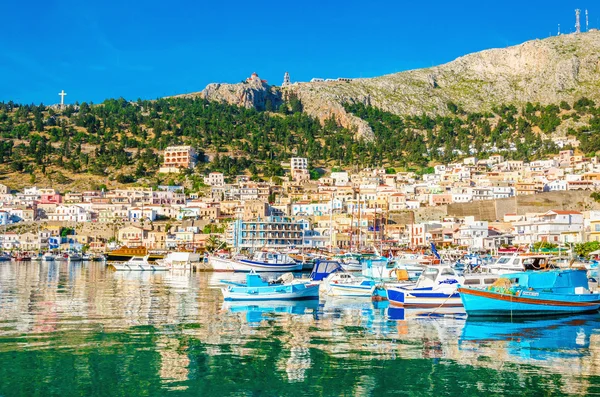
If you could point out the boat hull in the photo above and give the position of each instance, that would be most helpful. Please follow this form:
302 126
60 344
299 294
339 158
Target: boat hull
283 292
231 265
349 289
423 298
494 304
139 268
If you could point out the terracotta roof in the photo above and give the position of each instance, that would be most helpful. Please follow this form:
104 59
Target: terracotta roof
561 212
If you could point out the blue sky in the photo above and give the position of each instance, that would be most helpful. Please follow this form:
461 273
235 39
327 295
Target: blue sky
105 49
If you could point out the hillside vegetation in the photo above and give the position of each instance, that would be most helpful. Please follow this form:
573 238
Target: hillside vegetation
119 142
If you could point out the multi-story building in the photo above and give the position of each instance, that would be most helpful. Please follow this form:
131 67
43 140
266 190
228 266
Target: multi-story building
299 165
178 157
71 213
556 226
214 179
270 232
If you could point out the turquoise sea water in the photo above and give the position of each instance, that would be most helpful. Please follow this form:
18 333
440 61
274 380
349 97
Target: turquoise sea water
84 330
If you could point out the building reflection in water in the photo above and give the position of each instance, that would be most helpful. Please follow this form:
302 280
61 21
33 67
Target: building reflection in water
40 299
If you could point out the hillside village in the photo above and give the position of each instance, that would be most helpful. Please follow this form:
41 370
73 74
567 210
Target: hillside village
342 210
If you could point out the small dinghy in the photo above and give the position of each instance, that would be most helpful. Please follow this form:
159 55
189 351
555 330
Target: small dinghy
257 288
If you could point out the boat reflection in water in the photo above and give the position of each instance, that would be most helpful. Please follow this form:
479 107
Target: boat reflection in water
552 340
257 311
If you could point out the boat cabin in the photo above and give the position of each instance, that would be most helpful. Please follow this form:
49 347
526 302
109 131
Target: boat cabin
271 257
522 262
571 281
434 276
324 268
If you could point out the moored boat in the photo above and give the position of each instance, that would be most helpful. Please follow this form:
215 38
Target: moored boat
260 262
139 263
553 292
346 284
48 257
437 286
256 288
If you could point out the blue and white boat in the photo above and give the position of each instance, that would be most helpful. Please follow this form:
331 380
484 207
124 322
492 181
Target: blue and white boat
346 284
323 268
437 286
256 288
553 292
260 262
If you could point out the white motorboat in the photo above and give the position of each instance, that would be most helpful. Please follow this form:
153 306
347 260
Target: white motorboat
180 260
517 263
437 286
346 284
260 262
139 263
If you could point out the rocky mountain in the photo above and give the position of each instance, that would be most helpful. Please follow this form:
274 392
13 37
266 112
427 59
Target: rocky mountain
547 71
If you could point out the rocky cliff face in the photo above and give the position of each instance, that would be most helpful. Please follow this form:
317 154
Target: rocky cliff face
253 93
546 71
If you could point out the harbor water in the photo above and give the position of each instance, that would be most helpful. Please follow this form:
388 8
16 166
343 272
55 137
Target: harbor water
82 329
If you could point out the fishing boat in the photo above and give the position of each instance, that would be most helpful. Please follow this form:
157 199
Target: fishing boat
437 286
260 262
517 262
5 258
75 256
552 292
351 262
377 268
23 257
139 263
323 268
257 288
346 284
48 257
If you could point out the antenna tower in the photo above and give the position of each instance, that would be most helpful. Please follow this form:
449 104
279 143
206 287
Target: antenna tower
587 21
577 24
559 29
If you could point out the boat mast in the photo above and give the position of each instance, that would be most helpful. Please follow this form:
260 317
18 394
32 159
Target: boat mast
359 223
331 225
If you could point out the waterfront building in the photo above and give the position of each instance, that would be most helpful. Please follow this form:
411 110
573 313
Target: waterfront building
132 236
270 232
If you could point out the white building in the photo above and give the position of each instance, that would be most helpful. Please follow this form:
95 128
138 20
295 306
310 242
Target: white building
340 178
554 226
71 213
472 233
214 179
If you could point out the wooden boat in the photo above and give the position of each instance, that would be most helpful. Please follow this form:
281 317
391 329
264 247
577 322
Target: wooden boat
256 288
533 293
139 263
125 253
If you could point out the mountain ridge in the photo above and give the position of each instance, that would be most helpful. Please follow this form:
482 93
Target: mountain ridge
546 71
